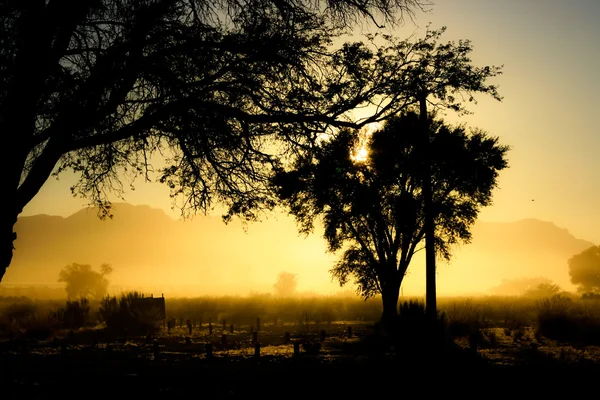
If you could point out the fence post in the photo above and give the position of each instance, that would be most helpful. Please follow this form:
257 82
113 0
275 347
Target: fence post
296 348
257 350
257 324
156 349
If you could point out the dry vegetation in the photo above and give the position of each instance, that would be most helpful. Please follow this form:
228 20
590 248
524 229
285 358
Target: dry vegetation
224 332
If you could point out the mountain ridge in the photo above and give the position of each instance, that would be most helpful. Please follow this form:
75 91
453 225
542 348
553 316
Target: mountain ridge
145 245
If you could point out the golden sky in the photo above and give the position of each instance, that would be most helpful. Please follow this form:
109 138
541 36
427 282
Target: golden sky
551 55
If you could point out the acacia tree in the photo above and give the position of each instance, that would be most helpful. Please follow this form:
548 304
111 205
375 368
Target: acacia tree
82 281
373 211
100 86
286 284
584 269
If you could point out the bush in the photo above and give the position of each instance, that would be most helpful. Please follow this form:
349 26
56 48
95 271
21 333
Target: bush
76 314
559 319
414 333
125 316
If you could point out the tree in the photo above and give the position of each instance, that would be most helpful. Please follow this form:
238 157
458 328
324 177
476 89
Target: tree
373 211
516 287
286 285
82 281
212 88
584 269
542 290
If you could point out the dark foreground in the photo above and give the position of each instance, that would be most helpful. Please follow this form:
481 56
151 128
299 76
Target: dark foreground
311 377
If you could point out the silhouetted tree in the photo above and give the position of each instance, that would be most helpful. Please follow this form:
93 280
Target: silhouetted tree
215 88
584 269
542 290
516 287
286 284
82 281
373 211
443 76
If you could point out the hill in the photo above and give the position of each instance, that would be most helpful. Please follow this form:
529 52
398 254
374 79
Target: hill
148 248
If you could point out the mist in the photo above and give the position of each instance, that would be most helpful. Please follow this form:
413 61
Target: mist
154 253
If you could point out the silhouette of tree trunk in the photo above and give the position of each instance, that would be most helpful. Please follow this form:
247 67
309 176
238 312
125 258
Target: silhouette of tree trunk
430 270
390 293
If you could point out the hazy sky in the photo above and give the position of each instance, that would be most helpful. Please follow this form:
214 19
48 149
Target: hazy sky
551 59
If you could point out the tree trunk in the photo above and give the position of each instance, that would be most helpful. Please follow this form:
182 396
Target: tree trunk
8 219
390 294
430 270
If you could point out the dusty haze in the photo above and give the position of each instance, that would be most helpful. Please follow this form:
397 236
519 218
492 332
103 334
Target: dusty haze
150 251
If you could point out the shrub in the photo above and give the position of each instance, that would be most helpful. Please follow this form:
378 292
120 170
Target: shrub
415 333
559 319
76 314
124 315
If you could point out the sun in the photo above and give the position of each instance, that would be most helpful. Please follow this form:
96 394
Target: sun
360 155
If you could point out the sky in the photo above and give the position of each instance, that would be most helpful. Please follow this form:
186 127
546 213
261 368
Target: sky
550 51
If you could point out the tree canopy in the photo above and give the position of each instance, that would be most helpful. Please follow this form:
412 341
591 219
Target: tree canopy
219 90
584 269
82 281
373 210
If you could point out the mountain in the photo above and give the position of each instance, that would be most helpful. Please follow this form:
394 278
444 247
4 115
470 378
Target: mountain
511 250
148 248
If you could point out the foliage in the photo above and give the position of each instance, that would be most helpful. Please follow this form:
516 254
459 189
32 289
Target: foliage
373 211
76 314
286 285
126 315
560 319
584 269
519 286
543 290
81 281
212 88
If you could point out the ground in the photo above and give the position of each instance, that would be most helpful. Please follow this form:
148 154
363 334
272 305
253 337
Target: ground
331 360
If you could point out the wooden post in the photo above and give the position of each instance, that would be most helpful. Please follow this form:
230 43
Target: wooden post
224 325
349 331
286 337
209 350
156 349
254 337
188 340
231 329
296 348
257 350
189 325
209 327
224 339
257 324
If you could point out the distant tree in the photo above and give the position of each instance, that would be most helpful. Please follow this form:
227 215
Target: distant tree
542 290
286 284
373 210
517 287
82 281
584 269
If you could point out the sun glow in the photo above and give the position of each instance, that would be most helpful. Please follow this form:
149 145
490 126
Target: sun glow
361 152
360 155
